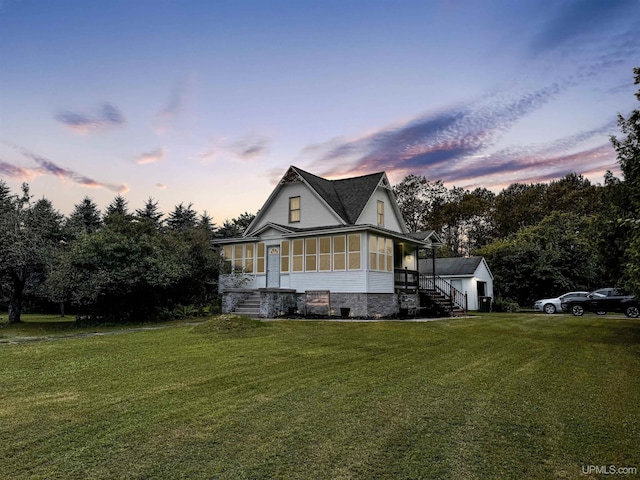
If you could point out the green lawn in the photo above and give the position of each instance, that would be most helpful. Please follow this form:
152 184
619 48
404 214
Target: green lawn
497 396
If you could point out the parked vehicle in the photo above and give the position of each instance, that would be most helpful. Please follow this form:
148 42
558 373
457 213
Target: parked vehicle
553 305
602 301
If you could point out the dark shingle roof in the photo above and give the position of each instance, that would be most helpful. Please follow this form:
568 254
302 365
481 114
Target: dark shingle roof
347 197
451 266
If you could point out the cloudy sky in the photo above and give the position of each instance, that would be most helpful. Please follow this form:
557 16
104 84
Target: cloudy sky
208 102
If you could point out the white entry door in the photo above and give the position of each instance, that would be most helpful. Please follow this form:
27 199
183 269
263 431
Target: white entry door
273 266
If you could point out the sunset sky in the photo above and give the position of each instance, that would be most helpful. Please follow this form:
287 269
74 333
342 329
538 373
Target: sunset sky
209 101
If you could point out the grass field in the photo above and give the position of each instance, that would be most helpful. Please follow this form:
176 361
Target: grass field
496 396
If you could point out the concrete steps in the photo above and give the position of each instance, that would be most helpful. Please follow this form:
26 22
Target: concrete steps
250 307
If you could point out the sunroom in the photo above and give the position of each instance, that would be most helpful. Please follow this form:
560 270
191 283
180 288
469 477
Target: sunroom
368 259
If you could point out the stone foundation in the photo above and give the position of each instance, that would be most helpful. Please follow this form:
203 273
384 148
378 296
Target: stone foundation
232 297
276 302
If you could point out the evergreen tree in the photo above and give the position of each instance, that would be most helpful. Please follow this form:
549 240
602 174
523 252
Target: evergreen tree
235 227
117 213
118 206
84 218
205 223
150 212
182 218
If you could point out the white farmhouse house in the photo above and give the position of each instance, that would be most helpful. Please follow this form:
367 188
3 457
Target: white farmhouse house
324 246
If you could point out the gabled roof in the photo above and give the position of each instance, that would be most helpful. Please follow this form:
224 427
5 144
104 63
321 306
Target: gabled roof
346 198
427 235
457 266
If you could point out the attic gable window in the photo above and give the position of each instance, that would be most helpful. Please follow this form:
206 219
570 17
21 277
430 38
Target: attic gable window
294 209
380 213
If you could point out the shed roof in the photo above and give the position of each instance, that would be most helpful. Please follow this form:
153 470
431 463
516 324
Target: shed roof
456 266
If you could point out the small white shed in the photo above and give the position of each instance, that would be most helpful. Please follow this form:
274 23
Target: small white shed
470 275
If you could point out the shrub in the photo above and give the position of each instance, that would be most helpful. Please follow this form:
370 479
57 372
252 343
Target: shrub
506 305
185 311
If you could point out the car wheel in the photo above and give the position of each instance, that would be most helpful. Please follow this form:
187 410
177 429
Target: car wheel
632 312
577 310
601 312
549 308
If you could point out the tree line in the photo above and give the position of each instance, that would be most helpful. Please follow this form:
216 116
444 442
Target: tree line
539 239
111 266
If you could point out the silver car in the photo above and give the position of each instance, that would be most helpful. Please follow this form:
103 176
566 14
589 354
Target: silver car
552 305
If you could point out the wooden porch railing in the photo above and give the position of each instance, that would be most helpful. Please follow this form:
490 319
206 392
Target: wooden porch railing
405 279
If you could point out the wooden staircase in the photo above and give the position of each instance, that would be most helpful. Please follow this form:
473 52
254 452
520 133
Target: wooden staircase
440 296
439 304
250 306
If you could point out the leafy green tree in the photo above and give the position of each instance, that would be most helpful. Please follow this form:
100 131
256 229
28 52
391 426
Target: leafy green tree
613 235
119 273
628 152
133 270
409 194
193 253
557 255
467 220
29 235
518 206
572 193
421 202
480 228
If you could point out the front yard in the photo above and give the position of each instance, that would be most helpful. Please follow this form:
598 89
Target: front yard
495 396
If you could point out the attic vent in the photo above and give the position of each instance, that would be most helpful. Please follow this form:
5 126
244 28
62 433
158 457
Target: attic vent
290 177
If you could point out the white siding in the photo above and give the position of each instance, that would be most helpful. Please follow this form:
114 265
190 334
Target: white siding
343 282
370 212
284 280
313 212
470 285
270 236
482 274
380 282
